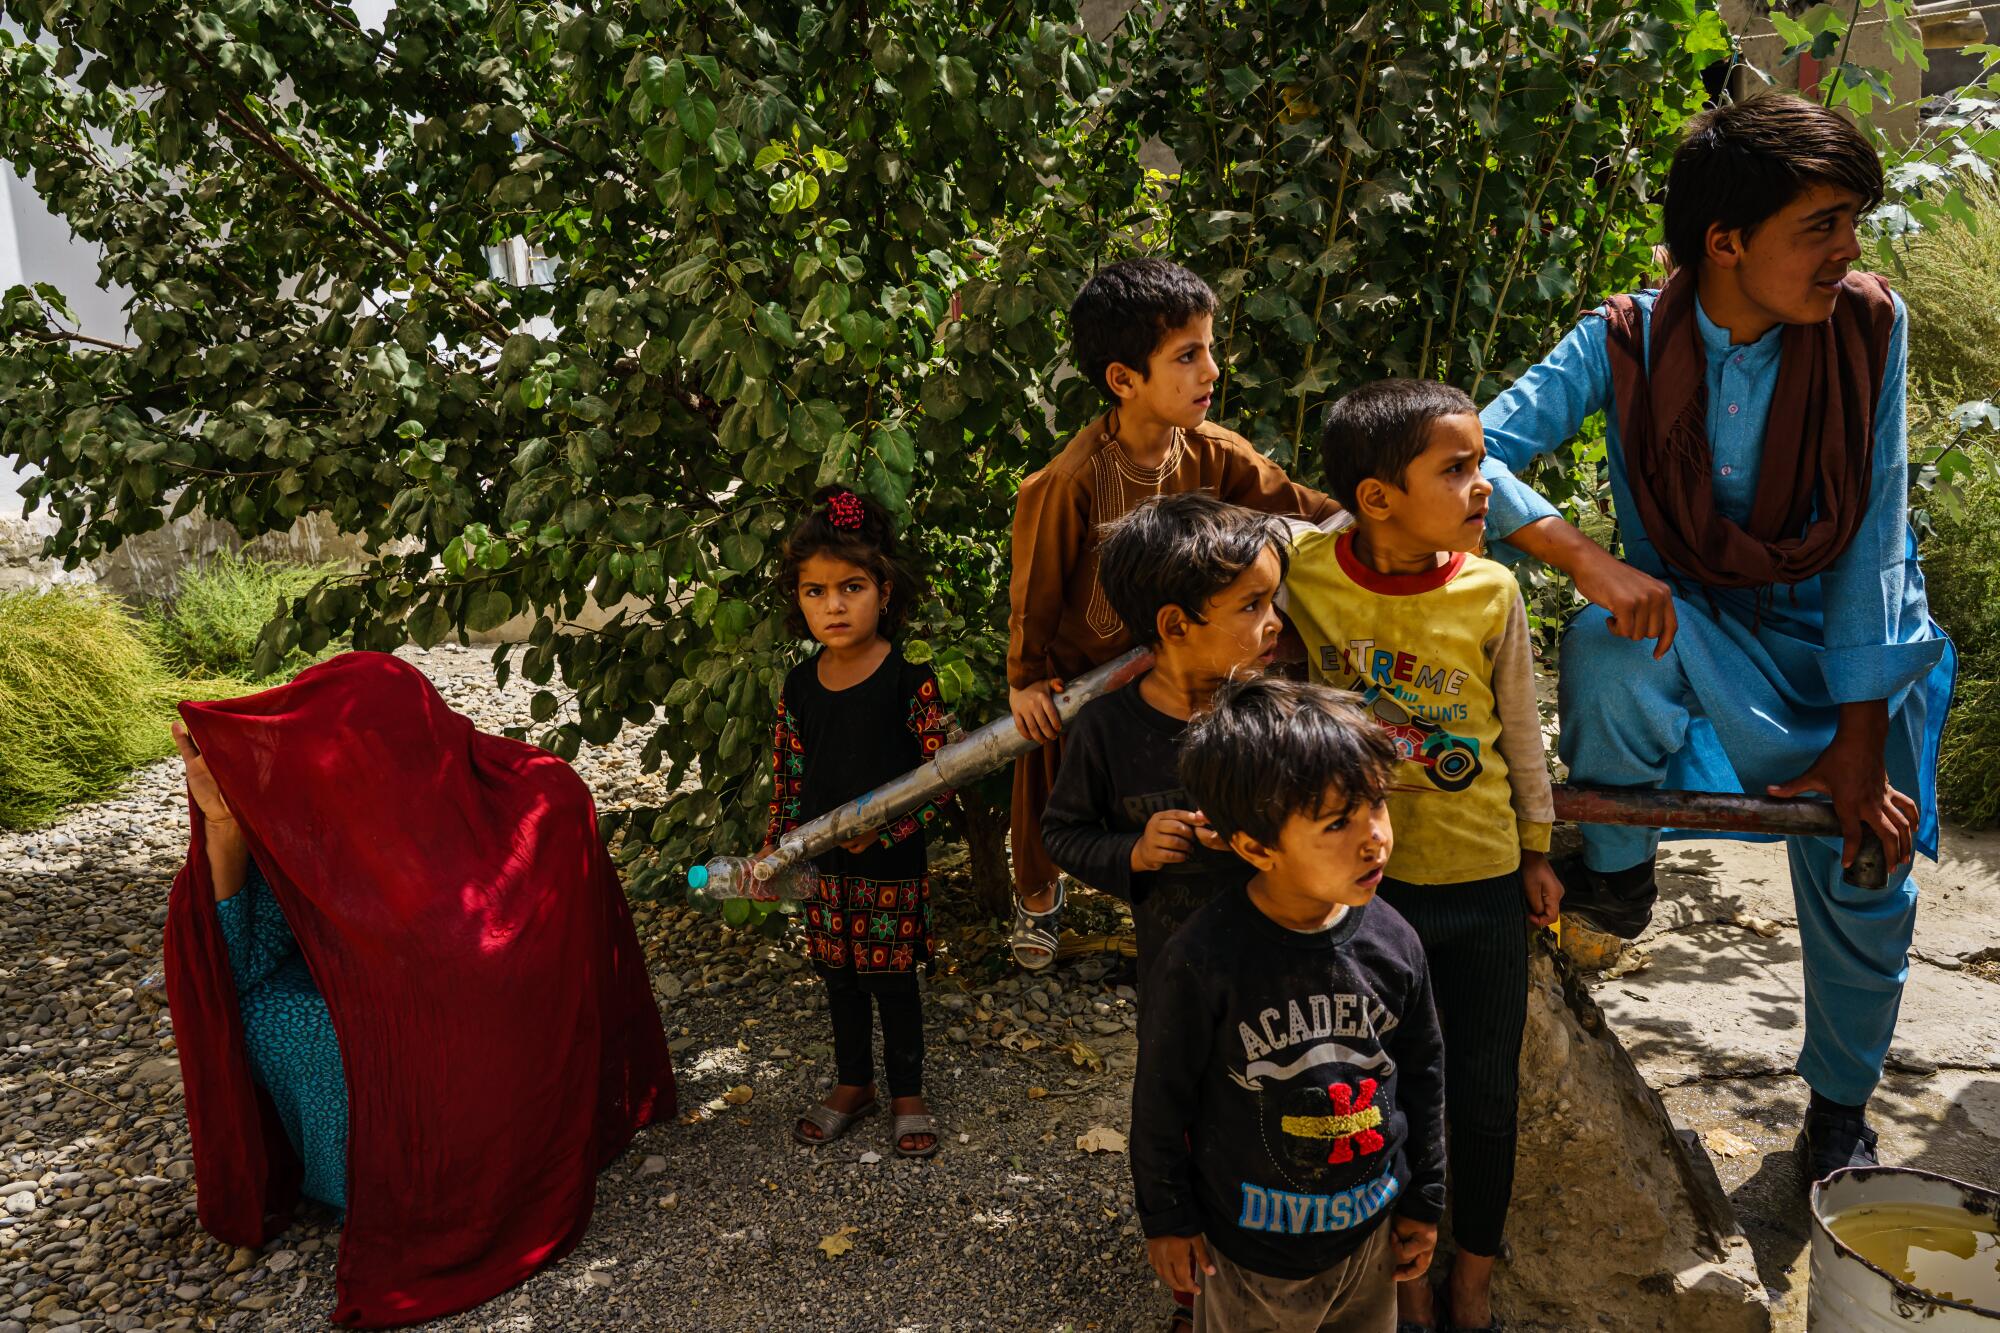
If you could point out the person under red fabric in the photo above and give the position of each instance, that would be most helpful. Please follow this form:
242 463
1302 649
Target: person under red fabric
451 902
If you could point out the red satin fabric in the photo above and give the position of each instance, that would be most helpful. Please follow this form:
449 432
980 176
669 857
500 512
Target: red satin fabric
496 1023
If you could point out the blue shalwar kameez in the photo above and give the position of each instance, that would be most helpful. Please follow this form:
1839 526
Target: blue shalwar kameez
1748 694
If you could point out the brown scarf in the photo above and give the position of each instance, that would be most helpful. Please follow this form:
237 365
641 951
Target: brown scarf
1819 441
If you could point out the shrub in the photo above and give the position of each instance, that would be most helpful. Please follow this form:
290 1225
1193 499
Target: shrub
1951 337
1957 510
83 700
212 624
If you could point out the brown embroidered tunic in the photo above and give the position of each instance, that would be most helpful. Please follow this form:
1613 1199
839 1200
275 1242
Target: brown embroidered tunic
1060 624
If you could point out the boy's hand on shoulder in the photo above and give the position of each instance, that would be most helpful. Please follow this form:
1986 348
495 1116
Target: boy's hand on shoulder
1542 887
1415 1242
1034 710
1168 838
1181 1260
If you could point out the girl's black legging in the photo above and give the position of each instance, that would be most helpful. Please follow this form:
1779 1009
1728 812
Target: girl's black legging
854 1029
1475 937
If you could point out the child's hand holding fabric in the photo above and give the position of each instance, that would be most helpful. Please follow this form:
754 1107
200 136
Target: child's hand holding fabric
1181 1260
1415 1243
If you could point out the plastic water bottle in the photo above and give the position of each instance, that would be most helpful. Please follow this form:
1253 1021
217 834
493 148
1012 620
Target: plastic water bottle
730 877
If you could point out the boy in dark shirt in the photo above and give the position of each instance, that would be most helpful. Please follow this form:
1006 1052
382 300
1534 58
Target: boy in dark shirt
1194 579
1290 1091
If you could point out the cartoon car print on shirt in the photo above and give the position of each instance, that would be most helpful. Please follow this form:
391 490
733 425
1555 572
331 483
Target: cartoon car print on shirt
1451 761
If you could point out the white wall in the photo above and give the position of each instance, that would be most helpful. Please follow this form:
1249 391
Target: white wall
38 247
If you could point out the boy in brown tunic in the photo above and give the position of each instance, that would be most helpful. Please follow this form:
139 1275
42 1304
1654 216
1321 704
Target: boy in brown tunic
1141 329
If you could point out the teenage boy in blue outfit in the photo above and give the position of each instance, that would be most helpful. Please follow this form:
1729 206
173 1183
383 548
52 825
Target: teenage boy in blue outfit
1767 630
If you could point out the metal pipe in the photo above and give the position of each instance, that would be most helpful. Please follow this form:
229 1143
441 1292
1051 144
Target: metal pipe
972 757
956 765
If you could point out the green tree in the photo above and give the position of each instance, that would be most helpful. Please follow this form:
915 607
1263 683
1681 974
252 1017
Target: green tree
1405 188
785 243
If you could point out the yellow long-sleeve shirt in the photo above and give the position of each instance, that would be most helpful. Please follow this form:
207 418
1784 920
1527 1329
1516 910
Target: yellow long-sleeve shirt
1443 662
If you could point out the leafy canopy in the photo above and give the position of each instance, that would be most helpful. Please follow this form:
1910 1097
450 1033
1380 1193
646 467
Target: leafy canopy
775 245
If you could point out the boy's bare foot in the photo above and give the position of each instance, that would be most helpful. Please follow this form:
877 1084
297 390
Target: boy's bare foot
912 1106
846 1098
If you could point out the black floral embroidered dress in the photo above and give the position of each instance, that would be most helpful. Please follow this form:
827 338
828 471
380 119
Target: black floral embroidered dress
873 911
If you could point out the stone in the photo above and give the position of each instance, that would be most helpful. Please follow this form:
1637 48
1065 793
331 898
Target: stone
166 1069
1613 1209
652 1166
20 1205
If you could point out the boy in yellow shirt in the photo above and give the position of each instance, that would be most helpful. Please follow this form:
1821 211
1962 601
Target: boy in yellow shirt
1434 639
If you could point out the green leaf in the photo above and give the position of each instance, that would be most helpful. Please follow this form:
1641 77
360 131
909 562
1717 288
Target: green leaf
701 609
742 551
428 624
895 448
489 608
727 146
829 161
916 651
774 323
769 156
955 73
653 79
696 115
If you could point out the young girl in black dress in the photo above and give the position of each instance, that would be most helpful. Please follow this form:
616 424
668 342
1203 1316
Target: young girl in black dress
854 715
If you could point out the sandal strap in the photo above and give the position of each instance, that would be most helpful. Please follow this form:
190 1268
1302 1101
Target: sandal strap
1022 914
833 1123
909 1126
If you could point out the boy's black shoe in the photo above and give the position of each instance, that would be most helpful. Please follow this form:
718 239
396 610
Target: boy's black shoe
1834 1137
1618 902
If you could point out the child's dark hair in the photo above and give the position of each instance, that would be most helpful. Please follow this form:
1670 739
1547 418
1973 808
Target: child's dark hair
1180 550
1742 162
853 528
1272 748
1126 310
1379 429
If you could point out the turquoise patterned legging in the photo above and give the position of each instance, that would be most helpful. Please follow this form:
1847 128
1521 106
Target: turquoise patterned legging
293 1052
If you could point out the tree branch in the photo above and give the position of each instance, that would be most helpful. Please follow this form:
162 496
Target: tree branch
65 336
254 130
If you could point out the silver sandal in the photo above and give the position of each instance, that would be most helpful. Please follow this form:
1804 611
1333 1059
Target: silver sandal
1034 941
910 1126
830 1123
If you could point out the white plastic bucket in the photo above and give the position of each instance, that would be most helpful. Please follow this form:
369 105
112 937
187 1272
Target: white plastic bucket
1850 1295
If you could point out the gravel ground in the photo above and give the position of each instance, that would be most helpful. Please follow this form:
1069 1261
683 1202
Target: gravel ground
712 1221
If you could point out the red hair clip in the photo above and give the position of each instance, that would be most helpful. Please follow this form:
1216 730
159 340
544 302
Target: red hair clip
844 511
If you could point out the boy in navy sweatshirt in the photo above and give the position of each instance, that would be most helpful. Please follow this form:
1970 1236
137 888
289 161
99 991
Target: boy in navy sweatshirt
1287 1117
1196 580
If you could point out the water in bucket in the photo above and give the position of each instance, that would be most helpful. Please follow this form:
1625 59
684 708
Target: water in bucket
1898 1249
1947 1252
